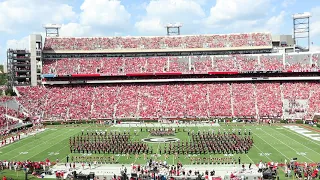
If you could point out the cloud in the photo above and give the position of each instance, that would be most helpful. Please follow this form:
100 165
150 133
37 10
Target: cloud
275 23
286 3
315 23
107 13
160 13
75 29
232 11
98 18
18 13
18 43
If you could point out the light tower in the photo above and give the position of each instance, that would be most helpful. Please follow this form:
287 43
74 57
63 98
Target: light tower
173 29
301 28
52 29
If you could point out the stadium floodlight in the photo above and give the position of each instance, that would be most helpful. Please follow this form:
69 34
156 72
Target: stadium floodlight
301 29
52 26
301 15
52 29
173 29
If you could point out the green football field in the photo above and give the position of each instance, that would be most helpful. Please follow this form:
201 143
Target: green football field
271 143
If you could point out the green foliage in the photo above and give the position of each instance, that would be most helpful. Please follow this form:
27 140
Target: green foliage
284 121
3 77
299 122
10 92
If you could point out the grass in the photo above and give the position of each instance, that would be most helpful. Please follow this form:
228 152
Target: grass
271 143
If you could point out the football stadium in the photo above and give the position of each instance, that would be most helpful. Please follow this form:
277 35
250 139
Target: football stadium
216 106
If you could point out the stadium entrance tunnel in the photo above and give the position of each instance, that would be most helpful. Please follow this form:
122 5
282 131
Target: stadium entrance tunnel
160 140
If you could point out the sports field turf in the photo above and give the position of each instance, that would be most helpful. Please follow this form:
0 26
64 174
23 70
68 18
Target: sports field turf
271 143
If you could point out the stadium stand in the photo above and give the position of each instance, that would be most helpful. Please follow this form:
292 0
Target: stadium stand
161 42
171 100
6 111
183 64
271 62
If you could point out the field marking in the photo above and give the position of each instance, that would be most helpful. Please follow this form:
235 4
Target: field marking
250 159
69 147
48 147
296 141
271 146
258 149
44 143
286 145
132 139
304 137
38 144
23 139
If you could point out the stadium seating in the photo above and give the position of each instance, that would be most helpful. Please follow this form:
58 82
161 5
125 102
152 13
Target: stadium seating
184 64
243 99
315 59
201 64
271 62
219 99
161 42
297 62
247 62
171 100
10 112
269 99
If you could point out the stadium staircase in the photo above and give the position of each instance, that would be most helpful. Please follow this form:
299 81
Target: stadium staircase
208 100
308 102
116 104
13 118
282 100
232 100
256 100
16 91
92 105
138 106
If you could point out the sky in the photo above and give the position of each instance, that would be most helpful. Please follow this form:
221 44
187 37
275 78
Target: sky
87 18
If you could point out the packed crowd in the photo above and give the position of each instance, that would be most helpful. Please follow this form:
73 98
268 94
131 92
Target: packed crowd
185 64
7 136
168 100
4 120
102 143
159 42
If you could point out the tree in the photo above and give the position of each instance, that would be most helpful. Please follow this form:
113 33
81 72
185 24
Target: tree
3 76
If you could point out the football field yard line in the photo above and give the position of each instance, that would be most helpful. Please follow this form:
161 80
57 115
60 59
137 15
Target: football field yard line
262 152
22 141
33 146
42 150
133 138
69 146
53 144
287 145
297 134
250 159
296 141
271 145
